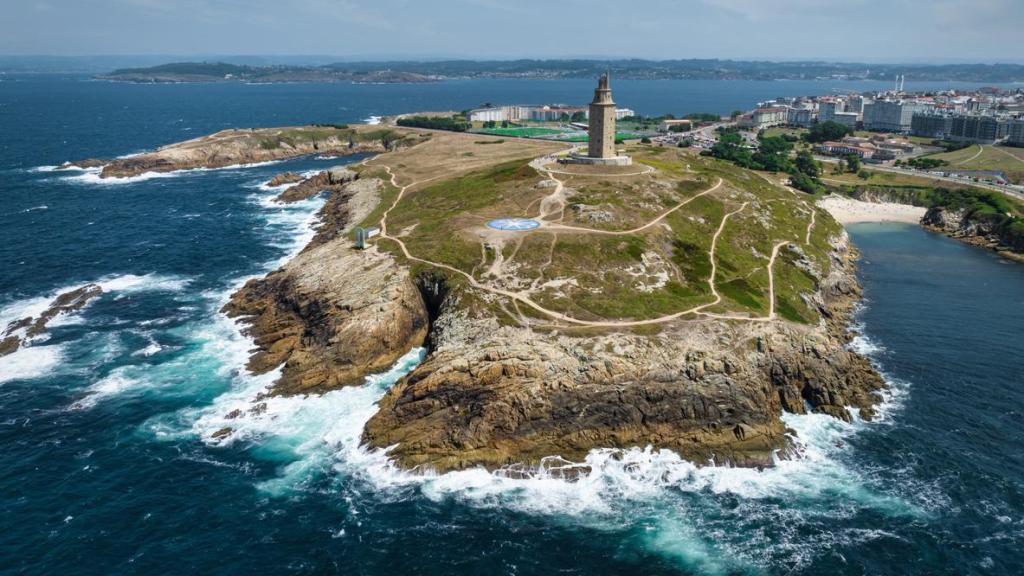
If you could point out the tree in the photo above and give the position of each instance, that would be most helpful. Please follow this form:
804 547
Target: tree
806 164
827 131
864 175
773 154
645 140
578 116
853 163
730 147
736 114
804 183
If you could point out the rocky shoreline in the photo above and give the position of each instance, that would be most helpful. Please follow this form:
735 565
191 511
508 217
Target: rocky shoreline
497 395
327 325
710 390
955 224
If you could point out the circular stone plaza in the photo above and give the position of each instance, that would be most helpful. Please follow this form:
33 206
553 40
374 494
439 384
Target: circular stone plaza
513 224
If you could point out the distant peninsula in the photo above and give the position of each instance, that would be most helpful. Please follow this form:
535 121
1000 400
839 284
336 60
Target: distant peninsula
416 72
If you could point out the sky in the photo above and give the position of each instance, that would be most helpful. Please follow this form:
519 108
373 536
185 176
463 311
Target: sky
847 30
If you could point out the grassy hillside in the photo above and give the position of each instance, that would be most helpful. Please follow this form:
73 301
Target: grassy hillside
612 246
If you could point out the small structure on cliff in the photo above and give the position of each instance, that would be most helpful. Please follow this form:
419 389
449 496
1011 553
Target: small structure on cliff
363 235
601 148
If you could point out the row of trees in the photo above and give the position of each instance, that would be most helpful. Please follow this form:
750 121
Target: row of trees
827 132
450 123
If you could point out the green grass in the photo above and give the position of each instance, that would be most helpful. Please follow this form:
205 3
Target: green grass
1010 161
442 222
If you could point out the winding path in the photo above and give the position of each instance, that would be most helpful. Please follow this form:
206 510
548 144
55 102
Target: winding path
518 297
981 150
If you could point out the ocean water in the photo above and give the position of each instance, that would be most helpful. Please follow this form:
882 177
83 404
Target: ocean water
107 464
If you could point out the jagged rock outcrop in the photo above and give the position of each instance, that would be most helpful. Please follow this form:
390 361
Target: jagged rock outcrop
285 178
330 180
956 223
978 230
707 389
330 316
20 331
333 314
87 163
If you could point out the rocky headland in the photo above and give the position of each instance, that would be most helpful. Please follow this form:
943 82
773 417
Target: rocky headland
711 390
495 393
254 146
333 314
961 224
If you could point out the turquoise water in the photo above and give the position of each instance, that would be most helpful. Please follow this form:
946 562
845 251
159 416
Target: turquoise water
107 465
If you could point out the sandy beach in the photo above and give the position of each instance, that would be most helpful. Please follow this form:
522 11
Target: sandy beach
849 211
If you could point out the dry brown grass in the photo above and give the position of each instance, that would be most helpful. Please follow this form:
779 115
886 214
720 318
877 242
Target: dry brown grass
449 154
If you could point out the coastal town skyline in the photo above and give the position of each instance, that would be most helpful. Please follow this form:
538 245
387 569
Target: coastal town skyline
949 31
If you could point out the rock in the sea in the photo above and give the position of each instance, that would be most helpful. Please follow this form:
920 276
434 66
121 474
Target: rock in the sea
330 180
20 331
285 178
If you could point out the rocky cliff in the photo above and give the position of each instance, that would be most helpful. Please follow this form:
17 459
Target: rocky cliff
973 229
707 389
333 314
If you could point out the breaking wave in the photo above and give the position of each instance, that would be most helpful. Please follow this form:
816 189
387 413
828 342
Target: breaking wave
30 362
35 361
675 507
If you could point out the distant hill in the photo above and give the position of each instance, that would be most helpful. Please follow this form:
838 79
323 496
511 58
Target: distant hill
223 72
414 71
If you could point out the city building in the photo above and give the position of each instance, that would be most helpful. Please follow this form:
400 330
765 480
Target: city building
869 150
960 127
843 149
890 115
855 104
675 126
1015 133
764 118
974 128
828 108
848 119
927 125
802 117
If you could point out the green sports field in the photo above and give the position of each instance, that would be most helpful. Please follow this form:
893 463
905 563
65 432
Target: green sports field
544 133
537 132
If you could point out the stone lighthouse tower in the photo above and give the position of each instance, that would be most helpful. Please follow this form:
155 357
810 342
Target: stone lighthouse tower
602 122
601 149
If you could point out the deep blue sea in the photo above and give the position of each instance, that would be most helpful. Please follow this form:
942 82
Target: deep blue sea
106 466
